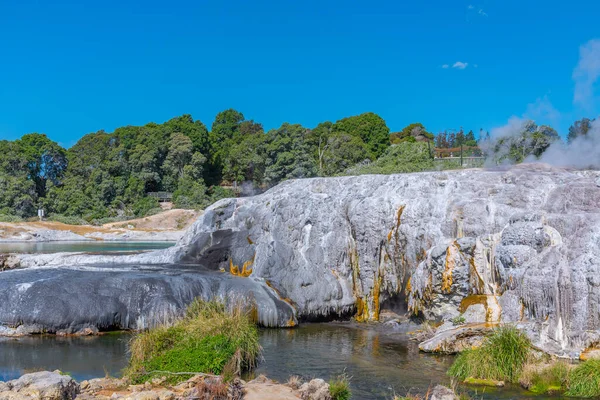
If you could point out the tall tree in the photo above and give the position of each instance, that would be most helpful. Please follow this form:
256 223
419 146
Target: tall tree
579 128
288 154
46 160
370 127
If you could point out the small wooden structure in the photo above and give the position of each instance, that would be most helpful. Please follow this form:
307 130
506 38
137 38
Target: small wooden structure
162 197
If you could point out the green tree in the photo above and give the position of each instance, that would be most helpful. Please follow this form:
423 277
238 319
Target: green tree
531 140
579 128
288 154
343 151
179 154
370 127
414 132
46 160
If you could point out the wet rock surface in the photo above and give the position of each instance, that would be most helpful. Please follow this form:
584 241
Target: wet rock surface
522 243
83 301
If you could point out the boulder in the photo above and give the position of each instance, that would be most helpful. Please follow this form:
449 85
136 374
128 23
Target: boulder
455 340
440 392
316 389
43 385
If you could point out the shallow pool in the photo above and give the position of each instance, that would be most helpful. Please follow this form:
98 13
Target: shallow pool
87 247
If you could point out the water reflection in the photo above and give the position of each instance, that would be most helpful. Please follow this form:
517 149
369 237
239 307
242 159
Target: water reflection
87 247
82 357
379 363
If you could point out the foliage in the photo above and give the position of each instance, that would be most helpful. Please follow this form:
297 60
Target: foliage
458 320
412 133
370 127
545 378
400 158
107 176
579 128
501 357
584 380
288 154
10 218
339 388
209 338
530 141
69 220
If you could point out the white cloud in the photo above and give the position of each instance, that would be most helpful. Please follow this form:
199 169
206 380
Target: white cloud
470 7
460 65
445 66
482 13
586 73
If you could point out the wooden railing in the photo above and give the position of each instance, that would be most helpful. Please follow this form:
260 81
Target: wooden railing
161 196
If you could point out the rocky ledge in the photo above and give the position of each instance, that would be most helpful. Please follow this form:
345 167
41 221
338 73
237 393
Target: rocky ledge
57 386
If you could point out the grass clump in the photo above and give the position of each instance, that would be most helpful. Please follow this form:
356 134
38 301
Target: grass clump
339 388
209 338
501 357
546 378
584 380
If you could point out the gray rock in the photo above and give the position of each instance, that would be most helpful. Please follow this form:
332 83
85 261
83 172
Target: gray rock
316 389
455 340
43 385
443 393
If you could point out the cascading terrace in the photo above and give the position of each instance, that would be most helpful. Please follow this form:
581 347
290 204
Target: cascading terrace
497 246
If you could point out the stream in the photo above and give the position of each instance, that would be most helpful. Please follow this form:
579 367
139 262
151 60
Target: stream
379 358
380 363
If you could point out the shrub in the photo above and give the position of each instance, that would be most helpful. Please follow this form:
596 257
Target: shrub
10 218
545 378
501 357
141 207
584 380
209 338
460 320
339 388
65 219
399 158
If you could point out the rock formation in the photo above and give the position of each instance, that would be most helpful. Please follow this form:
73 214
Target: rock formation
519 245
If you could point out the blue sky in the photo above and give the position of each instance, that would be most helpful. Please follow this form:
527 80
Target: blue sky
68 68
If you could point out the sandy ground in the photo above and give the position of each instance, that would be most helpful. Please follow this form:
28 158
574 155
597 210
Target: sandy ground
168 225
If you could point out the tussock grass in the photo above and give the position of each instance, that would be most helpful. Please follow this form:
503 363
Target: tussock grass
339 388
501 357
209 338
584 380
546 378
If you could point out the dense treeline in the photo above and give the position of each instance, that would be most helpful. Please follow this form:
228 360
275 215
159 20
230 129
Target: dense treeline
109 175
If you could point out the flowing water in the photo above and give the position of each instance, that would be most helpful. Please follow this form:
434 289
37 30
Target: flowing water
380 363
87 247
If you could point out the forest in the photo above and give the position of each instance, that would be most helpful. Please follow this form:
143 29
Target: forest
107 176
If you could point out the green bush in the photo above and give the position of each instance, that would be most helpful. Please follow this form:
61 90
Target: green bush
141 207
209 338
339 388
501 357
546 378
584 380
10 218
399 158
65 219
